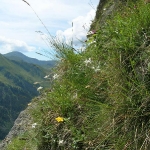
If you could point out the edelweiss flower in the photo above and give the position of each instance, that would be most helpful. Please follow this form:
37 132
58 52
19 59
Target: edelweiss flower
88 86
92 42
33 125
96 69
88 61
55 76
29 104
46 76
39 88
61 142
91 32
75 95
36 82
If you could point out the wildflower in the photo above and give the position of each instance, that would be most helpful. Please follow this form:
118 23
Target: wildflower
88 61
75 95
61 142
104 9
91 32
92 42
55 76
79 107
96 69
33 125
36 82
59 119
116 32
29 104
46 76
88 86
39 88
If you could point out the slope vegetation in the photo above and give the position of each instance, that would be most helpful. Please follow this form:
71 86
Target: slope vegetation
100 98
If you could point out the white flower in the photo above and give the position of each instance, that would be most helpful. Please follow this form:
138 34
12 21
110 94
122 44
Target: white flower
91 32
116 32
88 86
39 88
96 69
33 125
79 107
92 42
29 104
88 61
61 142
75 95
36 82
55 76
46 76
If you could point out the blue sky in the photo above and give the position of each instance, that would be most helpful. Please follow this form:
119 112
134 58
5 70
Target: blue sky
18 24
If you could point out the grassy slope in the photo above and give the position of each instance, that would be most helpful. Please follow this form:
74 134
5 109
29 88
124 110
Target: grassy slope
102 95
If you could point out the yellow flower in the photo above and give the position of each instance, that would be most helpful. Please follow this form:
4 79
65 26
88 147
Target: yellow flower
59 119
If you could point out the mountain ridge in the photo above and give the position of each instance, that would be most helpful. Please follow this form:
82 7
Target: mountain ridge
15 55
17 88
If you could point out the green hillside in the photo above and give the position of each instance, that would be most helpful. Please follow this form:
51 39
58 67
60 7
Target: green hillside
28 71
17 89
100 98
21 57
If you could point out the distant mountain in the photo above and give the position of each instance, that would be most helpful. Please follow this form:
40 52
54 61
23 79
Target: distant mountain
21 57
17 89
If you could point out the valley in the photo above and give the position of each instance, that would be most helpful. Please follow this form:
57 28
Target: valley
17 75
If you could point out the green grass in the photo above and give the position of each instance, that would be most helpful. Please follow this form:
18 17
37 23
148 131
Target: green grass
25 141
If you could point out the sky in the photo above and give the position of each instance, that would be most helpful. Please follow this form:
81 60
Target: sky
21 29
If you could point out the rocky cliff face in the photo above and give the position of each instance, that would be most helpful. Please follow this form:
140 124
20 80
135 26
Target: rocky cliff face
104 10
22 124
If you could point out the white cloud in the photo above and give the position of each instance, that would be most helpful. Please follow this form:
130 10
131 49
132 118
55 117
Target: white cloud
79 29
18 21
8 45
